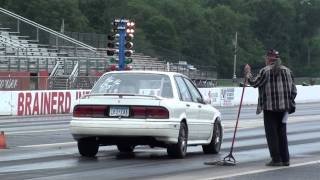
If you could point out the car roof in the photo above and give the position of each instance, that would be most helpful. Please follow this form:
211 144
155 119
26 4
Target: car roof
146 72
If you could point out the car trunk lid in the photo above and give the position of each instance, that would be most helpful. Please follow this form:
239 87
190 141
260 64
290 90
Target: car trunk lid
120 99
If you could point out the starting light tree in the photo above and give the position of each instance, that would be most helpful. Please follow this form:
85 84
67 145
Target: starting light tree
120 42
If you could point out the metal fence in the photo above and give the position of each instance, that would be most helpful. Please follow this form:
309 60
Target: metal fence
93 39
87 82
305 81
39 34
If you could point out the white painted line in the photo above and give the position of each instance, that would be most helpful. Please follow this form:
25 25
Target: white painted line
50 145
33 120
67 163
267 169
38 131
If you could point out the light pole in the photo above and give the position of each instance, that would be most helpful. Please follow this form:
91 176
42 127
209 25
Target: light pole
235 58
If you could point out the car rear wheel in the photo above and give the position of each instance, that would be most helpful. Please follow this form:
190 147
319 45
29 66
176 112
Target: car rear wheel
215 143
179 150
88 147
125 148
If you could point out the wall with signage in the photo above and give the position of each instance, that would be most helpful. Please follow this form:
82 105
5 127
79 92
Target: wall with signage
14 81
25 103
230 96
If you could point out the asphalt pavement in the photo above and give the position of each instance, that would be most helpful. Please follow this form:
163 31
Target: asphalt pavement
42 148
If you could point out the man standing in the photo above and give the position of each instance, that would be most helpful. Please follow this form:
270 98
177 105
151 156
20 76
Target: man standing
277 92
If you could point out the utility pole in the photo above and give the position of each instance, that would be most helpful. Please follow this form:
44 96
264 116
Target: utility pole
62 27
235 58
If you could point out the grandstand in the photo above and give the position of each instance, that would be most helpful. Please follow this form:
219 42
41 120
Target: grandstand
52 60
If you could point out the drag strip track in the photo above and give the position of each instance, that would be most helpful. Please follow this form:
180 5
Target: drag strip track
42 148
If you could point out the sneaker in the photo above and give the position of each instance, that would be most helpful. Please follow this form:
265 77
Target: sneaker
286 163
272 163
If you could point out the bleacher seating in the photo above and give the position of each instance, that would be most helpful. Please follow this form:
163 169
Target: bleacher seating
140 61
19 53
61 56
15 55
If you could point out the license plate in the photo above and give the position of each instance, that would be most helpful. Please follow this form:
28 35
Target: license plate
119 111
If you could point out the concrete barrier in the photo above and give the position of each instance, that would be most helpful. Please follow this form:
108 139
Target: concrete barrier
24 103
230 96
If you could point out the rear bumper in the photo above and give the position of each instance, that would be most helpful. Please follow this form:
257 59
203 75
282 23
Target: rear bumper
163 131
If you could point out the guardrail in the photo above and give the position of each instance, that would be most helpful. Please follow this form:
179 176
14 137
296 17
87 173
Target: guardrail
21 81
74 74
54 73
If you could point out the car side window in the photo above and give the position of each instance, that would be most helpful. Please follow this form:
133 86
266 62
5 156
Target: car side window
195 94
183 89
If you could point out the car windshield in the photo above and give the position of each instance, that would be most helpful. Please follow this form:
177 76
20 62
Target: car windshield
134 83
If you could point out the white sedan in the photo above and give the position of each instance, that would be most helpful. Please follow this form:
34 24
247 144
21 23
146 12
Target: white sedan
159 109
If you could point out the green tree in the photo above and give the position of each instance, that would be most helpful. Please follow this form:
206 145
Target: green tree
199 32
273 23
161 33
225 23
305 34
51 12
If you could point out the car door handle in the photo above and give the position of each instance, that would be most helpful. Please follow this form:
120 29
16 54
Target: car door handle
199 106
188 105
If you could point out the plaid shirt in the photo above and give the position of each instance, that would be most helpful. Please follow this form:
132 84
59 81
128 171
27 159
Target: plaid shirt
275 93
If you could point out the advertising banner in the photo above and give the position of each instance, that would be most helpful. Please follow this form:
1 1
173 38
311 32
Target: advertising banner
211 95
45 102
25 103
227 96
219 96
14 81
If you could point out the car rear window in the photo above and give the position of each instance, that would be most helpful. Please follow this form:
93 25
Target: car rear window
134 83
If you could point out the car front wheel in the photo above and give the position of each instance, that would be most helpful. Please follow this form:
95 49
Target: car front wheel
88 147
215 143
179 150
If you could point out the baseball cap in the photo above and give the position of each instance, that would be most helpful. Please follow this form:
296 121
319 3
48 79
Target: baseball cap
273 54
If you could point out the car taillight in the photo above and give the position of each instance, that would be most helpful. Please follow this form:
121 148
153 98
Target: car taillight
138 112
157 113
143 112
89 111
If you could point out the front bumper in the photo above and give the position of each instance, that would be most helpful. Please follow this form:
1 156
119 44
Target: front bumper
162 130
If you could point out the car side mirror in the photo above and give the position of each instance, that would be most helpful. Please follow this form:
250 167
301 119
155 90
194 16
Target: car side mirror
207 101
203 101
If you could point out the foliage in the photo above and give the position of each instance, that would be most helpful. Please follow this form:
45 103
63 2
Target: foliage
200 32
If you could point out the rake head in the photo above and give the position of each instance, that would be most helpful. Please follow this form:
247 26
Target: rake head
227 161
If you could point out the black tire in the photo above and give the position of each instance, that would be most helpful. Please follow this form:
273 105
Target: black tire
215 143
179 150
125 148
88 147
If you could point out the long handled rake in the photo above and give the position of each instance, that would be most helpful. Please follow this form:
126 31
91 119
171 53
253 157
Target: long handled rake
229 160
